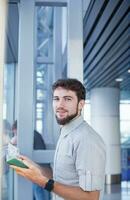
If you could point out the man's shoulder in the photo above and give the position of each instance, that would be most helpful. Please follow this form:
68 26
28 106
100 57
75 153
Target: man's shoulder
84 132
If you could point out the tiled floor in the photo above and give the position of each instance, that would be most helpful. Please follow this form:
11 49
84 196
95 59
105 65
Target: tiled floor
117 192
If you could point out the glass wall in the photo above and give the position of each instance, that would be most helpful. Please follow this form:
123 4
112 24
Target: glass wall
44 63
8 117
125 141
49 65
125 120
87 112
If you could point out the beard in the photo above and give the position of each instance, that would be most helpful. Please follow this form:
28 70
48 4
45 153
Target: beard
67 119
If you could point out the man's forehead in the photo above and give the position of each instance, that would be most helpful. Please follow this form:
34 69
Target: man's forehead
64 92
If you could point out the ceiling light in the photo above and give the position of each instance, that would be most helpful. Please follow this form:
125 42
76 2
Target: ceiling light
119 79
128 70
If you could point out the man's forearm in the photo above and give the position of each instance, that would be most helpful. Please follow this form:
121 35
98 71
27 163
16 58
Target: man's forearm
72 192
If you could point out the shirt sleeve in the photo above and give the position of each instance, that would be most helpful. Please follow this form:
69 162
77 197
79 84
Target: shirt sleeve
90 166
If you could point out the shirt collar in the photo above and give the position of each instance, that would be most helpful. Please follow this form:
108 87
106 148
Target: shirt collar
73 124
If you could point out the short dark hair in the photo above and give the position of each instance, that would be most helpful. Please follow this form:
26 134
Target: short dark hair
71 84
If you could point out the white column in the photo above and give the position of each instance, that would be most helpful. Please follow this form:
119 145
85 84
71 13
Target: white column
75 40
105 120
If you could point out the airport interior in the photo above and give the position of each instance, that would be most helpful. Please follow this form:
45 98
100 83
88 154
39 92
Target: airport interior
50 39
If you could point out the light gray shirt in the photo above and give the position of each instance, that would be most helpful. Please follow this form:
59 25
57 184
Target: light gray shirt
79 157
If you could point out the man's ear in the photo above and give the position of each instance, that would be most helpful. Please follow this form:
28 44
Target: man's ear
81 104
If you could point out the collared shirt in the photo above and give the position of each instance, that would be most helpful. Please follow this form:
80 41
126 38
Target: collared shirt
79 157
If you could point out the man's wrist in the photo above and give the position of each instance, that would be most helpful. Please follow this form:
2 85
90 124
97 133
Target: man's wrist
42 181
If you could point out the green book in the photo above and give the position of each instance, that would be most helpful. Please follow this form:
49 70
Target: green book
17 162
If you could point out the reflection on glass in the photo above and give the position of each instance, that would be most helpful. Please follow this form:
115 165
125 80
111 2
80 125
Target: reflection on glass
42 91
124 121
6 139
87 112
51 36
40 73
124 114
44 30
44 51
7 179
41 95
39 125
40 80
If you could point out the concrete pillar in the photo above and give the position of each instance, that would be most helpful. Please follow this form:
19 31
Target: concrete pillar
105 120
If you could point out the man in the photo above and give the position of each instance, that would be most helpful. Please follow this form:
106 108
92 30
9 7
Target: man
79 163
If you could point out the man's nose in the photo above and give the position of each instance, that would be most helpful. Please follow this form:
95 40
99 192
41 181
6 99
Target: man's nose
61 103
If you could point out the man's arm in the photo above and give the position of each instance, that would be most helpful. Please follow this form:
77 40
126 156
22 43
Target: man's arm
74 193
40 177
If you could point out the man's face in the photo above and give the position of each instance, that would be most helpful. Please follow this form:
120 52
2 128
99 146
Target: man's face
66 105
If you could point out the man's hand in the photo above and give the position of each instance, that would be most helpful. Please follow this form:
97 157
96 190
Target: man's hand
33 173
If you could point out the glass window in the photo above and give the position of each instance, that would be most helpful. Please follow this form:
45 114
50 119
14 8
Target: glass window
124 111
51 34
125 121
44 31
87 112
8 111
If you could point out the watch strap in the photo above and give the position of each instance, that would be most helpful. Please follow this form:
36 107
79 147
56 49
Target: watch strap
49 185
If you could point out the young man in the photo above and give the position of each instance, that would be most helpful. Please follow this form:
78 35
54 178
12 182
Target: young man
79 162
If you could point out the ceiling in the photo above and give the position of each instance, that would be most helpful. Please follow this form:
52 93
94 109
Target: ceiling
107 45
106 27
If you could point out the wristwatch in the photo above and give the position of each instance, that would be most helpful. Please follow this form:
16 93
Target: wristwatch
49 185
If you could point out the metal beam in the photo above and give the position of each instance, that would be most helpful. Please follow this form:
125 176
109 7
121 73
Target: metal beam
13 1
58 3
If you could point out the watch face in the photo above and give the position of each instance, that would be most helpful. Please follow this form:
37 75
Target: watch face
49 185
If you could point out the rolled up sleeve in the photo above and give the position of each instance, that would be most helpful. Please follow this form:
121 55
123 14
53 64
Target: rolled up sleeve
90 182
90 166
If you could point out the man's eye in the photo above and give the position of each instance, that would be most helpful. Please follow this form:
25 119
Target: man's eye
67 99
55 99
